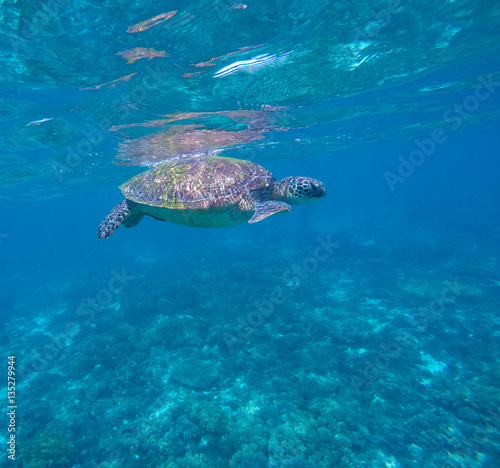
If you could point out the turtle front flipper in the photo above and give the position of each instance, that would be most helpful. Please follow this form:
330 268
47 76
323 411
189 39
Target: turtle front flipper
268 208
118 215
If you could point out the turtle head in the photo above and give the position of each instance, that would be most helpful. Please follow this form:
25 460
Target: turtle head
300 190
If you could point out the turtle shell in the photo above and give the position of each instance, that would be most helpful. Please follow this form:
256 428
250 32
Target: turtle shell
196 183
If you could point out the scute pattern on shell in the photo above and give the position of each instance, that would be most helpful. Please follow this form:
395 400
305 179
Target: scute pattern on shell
196 183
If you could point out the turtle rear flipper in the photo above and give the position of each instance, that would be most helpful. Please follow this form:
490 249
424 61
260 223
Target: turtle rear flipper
132 220
118 215
268 208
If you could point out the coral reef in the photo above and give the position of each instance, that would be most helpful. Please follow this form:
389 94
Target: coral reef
345 373
47 450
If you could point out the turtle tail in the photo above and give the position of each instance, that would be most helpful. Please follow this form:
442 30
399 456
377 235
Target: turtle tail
116 217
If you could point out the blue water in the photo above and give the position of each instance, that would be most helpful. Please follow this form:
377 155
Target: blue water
358 331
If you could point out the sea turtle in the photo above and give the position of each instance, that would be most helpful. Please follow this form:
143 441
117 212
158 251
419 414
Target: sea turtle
208 192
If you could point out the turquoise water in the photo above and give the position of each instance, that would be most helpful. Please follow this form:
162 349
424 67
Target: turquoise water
358 331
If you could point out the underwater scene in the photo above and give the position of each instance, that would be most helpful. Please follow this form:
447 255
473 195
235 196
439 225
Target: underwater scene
257 234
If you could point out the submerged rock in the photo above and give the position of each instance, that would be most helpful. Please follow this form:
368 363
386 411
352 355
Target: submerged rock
196 373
